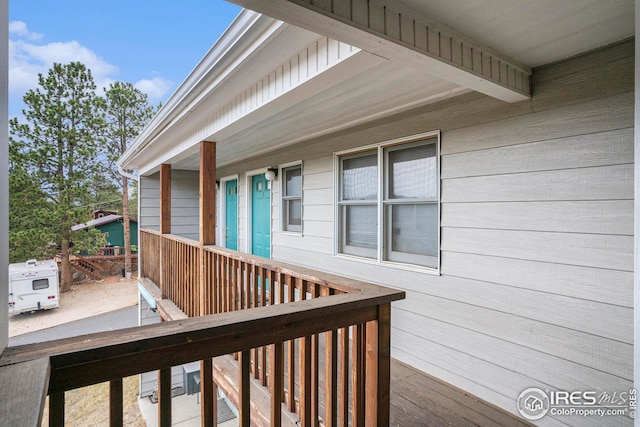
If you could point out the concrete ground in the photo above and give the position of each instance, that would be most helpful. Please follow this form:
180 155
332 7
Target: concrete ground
185 412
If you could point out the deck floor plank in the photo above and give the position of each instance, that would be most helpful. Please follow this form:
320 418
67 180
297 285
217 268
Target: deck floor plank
425 398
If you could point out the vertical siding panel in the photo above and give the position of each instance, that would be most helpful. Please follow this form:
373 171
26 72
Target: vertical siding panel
467 56
322 55
304 64
333 54
323 4
420 36
342 9
376 17
360 12
392 23
407 31
477 60
295 70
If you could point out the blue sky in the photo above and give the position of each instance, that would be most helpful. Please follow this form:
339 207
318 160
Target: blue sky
153 44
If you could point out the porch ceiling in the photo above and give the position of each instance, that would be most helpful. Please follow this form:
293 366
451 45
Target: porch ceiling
386 87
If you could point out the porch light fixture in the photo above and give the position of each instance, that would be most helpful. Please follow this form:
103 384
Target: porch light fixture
271 173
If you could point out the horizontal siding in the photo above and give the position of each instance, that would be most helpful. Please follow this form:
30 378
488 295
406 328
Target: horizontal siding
185 199
595 183
589 250
592 217
149 202
536 284
600 115
600 149
594 284
560 341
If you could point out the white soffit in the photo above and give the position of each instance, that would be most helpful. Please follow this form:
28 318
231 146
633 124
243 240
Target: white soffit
535 32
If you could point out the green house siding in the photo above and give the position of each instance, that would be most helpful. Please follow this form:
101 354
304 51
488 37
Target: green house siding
115 233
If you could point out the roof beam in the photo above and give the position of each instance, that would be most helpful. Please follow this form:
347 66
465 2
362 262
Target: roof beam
394 31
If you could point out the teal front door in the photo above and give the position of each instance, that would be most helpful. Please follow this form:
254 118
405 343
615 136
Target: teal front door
231 215
260 216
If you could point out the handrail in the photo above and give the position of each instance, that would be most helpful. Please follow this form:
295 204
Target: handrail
269 314
94 358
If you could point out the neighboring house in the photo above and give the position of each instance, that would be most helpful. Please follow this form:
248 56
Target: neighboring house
111 225
494 185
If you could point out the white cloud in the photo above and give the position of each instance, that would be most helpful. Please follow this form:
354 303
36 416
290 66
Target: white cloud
155 88
28 58
19 28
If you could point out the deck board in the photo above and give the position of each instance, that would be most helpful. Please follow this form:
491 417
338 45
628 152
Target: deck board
421 399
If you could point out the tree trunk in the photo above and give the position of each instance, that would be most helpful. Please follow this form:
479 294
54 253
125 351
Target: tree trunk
127 227
65 267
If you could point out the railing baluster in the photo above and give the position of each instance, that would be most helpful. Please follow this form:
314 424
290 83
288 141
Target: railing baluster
208 403
258 278
357 376
276 382
356 357
56 409
305 381
115 403
344 376
314 369
164 397
244 391
378 368
331 373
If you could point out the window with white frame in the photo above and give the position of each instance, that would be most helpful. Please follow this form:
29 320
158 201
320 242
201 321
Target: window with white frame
292 198
388 202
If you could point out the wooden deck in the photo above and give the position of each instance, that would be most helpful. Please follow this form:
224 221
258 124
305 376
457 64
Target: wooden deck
419 399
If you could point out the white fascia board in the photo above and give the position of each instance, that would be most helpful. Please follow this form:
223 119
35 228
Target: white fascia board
229 46
439 51
237 115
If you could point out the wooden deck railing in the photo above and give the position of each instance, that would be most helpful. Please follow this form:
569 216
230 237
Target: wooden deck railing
271 315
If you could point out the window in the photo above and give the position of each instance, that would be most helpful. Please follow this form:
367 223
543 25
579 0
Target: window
292 198
39 284
388 202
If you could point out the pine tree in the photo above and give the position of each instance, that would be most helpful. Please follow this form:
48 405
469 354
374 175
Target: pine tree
127 112
59 146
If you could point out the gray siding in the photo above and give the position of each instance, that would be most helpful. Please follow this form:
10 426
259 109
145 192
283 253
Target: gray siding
149 202
536 284
185 199
184 203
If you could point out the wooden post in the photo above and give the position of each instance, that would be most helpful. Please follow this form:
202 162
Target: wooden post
378 368
165 220
207 204
115 403
165 199
208 193
164 397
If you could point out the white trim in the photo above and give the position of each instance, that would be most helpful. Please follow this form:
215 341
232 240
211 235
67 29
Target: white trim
380 251
222 223
281 201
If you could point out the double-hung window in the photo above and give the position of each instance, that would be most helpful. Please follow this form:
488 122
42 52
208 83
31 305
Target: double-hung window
388 202
292 198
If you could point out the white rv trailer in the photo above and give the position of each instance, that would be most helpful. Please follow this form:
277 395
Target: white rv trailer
33 285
